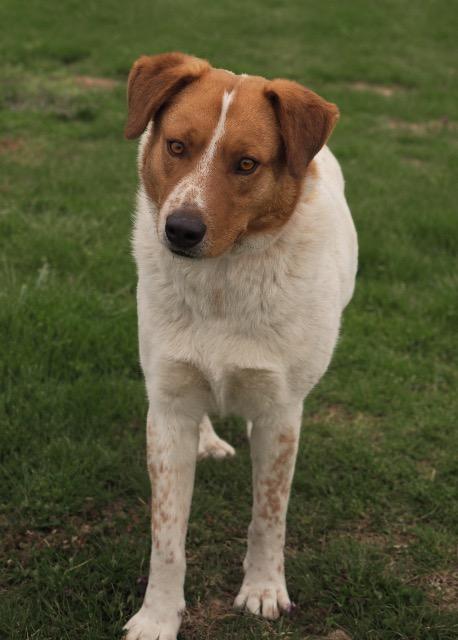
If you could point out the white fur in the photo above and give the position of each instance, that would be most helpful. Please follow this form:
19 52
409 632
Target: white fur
250 332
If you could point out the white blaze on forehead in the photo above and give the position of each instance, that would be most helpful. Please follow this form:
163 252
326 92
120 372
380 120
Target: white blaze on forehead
190 189
210 152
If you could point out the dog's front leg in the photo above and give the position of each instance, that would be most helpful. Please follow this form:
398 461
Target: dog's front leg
172 442
274 442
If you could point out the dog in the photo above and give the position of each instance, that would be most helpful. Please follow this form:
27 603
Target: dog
246 255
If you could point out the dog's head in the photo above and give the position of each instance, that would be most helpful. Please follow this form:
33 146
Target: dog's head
226 155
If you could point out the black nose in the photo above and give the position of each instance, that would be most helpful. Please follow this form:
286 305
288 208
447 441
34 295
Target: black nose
184 229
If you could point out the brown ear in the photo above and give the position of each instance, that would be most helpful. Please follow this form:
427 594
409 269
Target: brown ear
306 121
152 81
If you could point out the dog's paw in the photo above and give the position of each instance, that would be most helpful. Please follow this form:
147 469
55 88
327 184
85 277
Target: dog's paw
145 626
211 446
263 599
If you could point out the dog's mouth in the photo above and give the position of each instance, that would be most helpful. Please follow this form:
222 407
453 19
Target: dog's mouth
182 254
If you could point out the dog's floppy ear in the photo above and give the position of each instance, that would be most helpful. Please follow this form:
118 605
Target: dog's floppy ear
306 121
152 81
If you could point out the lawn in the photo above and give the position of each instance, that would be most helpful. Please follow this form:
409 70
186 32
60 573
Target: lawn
372 546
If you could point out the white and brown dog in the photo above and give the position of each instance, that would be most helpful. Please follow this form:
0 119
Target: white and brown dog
246 255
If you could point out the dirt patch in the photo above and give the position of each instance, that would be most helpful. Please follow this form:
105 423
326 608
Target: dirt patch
426 470
339 415
336 413
337 635
91 82
415 162
422 128
442 588
114 519
332 413
64 95
10 145
200 620
27 152
394 541
32 540
385 90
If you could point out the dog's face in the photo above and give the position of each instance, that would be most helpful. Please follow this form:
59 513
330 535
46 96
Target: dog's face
226 155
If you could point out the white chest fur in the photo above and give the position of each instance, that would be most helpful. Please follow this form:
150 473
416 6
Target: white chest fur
275 307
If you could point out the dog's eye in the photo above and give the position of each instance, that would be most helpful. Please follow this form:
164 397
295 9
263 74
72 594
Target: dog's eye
175 147
247 165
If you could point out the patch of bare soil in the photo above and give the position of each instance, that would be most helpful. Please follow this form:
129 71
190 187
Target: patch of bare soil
395 541
422 128
385 90
332 413
442 588
23 543
10 145
338 413
337 635
415 162
91 82
199 621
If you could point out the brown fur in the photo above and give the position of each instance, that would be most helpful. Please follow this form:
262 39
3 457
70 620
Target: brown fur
152 81
306 121
279 123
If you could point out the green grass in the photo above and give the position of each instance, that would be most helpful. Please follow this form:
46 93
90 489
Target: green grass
372 543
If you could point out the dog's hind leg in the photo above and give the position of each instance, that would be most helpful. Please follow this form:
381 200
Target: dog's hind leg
211 445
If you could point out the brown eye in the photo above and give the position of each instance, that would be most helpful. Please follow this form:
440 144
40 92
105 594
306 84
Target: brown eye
247 165
175 147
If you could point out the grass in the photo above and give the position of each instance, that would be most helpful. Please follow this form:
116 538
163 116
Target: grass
372 543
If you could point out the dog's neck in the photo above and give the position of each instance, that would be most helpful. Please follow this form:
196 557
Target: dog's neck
243 283
242 286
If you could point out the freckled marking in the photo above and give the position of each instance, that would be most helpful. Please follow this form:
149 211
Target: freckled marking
263 512
287 437
271 504
164 515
